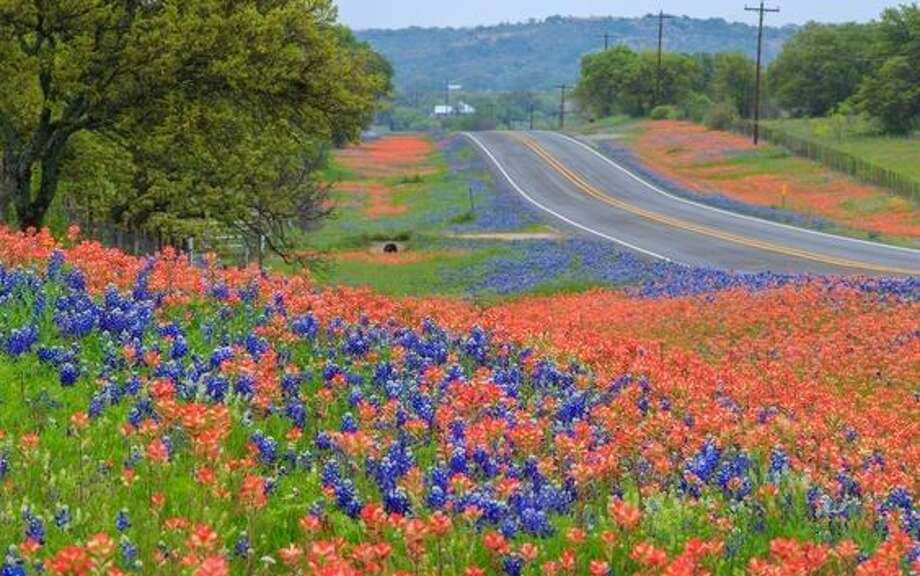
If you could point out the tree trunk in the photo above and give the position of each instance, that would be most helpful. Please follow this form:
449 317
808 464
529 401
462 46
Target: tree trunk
31 209
22 191
6 185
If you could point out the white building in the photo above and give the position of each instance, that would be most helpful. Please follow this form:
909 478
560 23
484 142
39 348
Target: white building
461 109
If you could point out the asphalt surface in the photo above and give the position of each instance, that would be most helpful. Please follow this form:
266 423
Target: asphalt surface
583 190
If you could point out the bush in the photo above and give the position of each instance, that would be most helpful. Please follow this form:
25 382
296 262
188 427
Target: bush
697 106
665 113
721 116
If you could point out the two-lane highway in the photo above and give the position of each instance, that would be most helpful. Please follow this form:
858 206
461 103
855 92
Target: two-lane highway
583 189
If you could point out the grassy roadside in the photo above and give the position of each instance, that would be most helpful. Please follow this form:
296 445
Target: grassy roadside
766 181
426 207
857 137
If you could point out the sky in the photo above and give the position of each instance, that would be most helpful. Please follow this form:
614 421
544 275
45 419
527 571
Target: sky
362 14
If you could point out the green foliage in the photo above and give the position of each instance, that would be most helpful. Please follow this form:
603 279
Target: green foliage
891 92
697 106
541 54
734 80
665 112
179 116
873 66
820 67
621 80
721 116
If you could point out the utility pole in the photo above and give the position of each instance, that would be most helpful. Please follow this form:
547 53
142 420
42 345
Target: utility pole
563 88
447 97
531 115
761 10
661 18
606 41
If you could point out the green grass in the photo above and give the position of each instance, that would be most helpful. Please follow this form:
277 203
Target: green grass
859 138
435 203
426 278
765 160
601 125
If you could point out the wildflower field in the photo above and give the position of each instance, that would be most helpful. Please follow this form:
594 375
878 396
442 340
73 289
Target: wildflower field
165 418
473 410
496 248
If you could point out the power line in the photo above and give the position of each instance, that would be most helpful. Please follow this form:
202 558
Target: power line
661 18
761 10
606 38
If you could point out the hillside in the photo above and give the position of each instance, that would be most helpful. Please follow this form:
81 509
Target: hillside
540 54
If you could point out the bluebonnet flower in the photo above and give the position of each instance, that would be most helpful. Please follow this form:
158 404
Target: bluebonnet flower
349 425
267 447
13 567
219 291
512 565
68 375
216 387
323 441
129 553
35 528
62 517
701 466
75 281
779 464
242 548
21 340
122 521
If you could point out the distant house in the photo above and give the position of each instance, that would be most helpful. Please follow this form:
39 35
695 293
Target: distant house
465 109
461 109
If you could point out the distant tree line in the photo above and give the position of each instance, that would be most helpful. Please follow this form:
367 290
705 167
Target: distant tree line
414 111
177 116
537 55
851 68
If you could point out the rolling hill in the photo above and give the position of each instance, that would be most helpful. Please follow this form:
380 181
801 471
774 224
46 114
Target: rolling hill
540 54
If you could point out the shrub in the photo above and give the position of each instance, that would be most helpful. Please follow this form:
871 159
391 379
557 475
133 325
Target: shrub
665 113
697 106
721 116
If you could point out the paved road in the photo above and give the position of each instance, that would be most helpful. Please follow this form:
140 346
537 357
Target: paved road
584 190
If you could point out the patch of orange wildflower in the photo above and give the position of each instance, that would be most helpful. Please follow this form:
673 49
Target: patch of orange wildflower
388 156
379 198
705 161
390 259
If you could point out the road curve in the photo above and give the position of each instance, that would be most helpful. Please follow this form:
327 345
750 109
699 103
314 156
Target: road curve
584 190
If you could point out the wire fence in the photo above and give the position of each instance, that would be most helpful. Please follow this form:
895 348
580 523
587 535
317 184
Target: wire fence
230 248
835 159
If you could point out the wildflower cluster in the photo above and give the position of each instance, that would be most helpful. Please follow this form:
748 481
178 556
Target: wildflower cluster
168 418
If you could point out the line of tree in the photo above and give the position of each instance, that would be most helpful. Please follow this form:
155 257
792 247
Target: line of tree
415 111
872 68
855 68
622 81
178 116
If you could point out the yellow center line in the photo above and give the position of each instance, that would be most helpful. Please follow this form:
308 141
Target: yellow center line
598 194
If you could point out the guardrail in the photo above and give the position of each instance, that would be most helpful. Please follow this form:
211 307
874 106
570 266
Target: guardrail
837 160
